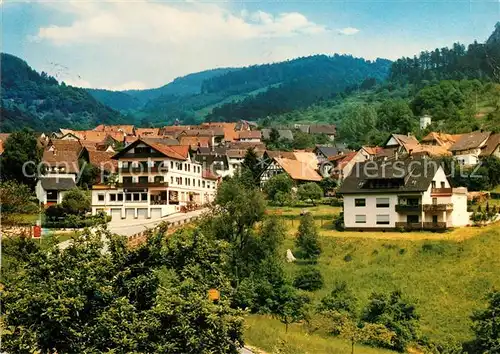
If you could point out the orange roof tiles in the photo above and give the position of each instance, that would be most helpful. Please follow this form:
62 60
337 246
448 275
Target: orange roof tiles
298 170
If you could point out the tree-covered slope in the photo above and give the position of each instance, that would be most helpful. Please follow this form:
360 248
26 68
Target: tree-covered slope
35 98
303 81
130 100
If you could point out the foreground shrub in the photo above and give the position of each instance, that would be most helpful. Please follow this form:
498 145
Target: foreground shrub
309 279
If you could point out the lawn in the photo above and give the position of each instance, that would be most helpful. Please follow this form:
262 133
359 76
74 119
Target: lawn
268 334
446 274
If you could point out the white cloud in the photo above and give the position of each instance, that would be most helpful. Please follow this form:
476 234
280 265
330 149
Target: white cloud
142 44
348 31
172 23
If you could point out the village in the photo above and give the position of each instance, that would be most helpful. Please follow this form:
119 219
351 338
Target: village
153 173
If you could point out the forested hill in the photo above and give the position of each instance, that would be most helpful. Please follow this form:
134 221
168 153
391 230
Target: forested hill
477 60
248 93
135 99
38 101
292 84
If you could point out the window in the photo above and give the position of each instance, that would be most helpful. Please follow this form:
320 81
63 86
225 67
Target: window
143 179
52 196
171 180
189 168
137 197
125 164
359 202
144 197
100 197
360 219
203 184
112 197
194 182
412 219
199 183
382 219
433 184
434 201
382 202
128 197
443 184
158 179
434 219
127 180
120 197
186 181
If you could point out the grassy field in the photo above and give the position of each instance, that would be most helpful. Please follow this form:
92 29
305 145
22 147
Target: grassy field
446 274
268 334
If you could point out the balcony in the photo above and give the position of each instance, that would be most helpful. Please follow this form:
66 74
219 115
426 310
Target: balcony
441 191
142 184
434 225
146 169
437 207
403 208
409 225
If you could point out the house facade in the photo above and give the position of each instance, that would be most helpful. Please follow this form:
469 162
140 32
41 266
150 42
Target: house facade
153 181
468 148
411 194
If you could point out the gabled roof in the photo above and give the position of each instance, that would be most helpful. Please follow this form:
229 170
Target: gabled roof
491 145
442 139
285 154
409 142
245 145
329 151
372 150
125 129
57 183
216 131
249 134
236 153
176 152
307 157
207 174
298 170
195 141
103 159
65 145
62 158
470 141
147 132
408 175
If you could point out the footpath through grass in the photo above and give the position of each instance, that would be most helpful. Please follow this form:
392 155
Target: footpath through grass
446 274
268 334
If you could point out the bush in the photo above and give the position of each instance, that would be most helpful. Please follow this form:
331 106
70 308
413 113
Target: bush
309 192
338 222
309 279
341 299
76 202
76 222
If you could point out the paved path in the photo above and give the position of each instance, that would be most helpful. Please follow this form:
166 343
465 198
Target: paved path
129 228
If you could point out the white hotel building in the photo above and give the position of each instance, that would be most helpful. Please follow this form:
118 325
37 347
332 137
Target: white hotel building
412 194
154 180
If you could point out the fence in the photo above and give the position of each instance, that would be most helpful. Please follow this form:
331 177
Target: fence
140 237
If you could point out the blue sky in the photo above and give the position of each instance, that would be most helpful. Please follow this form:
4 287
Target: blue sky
141 44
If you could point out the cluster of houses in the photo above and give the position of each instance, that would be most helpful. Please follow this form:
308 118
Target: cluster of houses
154 172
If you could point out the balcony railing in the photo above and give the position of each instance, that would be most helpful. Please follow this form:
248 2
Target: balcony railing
147 169
421 225
438 207
403 208
434 225
441 191
159 202
141 184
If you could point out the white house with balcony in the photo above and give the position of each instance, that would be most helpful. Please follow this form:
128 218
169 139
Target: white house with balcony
153 181
468 147
411 194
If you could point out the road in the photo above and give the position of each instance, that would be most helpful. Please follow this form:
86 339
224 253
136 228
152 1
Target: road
129 228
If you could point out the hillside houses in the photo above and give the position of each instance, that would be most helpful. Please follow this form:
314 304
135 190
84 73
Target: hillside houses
212 151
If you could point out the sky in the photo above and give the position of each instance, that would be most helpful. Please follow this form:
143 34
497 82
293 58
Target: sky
141 44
